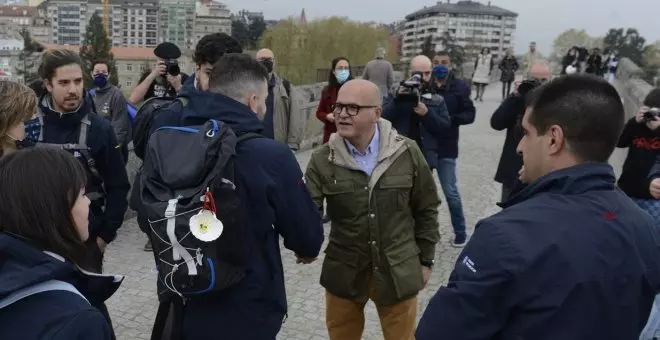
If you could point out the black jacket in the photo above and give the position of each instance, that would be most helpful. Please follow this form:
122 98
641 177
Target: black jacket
428 127
461 112
643 147
508 66
106 215
570 257
507 117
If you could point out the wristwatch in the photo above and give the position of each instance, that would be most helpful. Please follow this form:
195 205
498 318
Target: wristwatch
427 263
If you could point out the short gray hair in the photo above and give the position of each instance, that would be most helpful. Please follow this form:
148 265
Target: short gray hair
237 75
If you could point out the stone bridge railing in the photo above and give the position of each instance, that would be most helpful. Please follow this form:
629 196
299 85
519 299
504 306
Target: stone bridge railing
631 86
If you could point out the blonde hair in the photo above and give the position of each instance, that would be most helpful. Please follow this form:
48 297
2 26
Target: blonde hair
17 104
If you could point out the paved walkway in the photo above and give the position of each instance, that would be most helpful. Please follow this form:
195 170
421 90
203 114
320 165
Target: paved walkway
133 307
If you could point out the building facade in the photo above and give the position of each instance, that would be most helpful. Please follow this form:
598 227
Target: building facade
177 21
211 17
472 24
33 18
132 23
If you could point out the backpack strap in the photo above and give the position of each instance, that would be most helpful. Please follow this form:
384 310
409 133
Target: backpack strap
45 286
81 147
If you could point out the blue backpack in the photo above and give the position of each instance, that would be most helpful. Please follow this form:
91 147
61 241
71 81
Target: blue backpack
130 108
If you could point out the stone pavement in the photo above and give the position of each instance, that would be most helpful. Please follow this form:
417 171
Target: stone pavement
133 307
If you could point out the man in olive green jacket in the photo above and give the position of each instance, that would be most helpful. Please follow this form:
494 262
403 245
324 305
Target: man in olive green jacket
382 203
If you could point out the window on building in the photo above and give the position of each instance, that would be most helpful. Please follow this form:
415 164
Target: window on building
129 68
129 83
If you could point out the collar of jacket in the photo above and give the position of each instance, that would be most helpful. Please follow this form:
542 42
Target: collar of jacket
391 145
278 85
573 180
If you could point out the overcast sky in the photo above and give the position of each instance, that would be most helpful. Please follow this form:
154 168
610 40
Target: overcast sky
540 20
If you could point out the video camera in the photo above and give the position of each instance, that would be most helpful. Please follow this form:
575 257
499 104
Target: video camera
527 86
411 89
651 114
172 67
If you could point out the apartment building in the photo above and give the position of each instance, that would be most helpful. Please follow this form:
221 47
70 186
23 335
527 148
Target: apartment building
33 18
177 22
131 23
474 25
211 17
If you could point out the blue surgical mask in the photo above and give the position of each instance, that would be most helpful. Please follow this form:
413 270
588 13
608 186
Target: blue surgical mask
100 80
342 75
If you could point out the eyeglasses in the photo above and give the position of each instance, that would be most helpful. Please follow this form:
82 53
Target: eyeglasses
351 109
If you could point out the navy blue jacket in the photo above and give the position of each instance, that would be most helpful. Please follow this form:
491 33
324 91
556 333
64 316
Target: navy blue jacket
570 257
461 112
56 315
431 125
65 128
277 203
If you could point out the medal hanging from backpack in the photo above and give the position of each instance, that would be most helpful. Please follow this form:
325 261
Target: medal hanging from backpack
204 225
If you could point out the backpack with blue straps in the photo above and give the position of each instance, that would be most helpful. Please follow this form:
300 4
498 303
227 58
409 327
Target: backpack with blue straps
197 222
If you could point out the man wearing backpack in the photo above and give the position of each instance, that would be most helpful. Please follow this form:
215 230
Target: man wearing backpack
161 111
111 104
68 122
283 121
249 200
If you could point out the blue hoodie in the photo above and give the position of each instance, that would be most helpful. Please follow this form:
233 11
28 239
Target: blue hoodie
56 315
277 203
105 219
570 257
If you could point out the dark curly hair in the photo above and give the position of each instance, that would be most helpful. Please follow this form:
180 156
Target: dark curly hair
211 47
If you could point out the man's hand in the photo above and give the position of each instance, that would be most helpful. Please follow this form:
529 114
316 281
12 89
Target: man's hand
304 260
421 109
175 81
639 117
655 188
426 274
101 244
159 69
330 117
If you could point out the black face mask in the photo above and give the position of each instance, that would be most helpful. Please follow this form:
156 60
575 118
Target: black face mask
268 64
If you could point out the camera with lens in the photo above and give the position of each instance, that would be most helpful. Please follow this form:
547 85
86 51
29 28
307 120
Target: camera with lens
409 90
528 86
172 67
651 114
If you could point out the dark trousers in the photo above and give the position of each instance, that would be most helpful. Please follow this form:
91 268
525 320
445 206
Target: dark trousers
94 263
506 88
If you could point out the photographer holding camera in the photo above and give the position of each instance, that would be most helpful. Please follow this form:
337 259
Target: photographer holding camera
165 80
642 138
416 112
508 116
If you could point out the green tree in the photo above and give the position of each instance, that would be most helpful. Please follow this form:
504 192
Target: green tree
255 30
651 61
628 43
428 47
29 57
456 52
302 50
97 46
569 38
240 32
